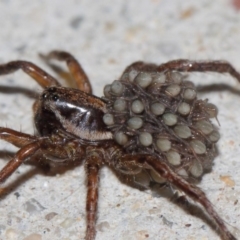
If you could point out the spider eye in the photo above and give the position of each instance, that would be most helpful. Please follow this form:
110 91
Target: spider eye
52 89
55 97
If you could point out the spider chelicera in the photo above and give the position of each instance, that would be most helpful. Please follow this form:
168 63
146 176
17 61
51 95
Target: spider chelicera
149 127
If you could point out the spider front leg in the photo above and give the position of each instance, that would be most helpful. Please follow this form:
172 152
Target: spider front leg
43 78
23 154
16 138
195 193
39 149
74 67
29 146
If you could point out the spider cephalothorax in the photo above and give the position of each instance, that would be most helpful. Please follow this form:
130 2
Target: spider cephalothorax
149 126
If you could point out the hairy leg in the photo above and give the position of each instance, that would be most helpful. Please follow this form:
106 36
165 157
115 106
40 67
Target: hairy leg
38 150
16 138
74 67
92 167
23 154
183 65
43 78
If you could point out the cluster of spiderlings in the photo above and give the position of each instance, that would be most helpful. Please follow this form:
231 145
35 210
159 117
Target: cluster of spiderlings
159 113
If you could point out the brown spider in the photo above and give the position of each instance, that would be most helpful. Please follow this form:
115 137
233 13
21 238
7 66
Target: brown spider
149 127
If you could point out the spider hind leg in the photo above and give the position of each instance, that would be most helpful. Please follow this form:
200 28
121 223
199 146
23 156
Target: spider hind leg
192 191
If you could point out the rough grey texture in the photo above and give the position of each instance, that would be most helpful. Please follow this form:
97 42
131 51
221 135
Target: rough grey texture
106 36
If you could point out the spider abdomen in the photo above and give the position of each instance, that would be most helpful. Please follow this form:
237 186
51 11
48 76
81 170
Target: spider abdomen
159 113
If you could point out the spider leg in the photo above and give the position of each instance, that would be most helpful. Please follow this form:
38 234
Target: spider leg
43 78
140 66
16 138
92 167
74 67
24 153
192 191
184 65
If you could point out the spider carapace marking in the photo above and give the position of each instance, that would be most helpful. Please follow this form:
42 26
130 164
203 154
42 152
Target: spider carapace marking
149 127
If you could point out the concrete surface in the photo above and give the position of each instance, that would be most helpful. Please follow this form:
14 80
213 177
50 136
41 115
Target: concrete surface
106 36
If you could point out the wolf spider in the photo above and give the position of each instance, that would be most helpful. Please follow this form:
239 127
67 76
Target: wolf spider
74 125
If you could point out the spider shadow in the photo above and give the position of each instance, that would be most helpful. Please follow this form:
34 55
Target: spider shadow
166 191
203 88
182 201
19 90
217 87
42 167
68 79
